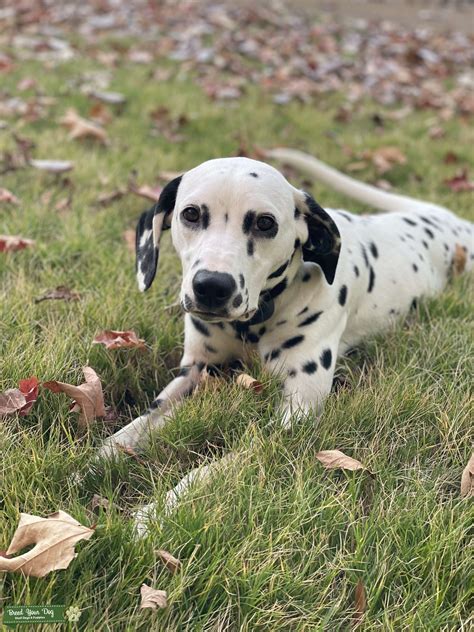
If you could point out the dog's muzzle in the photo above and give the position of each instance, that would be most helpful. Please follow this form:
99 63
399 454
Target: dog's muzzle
213 290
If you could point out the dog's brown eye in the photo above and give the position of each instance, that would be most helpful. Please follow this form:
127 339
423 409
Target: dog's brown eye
265 222
191 214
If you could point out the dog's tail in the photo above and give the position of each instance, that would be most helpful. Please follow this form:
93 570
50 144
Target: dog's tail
364 193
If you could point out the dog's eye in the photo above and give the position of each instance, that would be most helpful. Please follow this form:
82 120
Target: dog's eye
265 222
191 214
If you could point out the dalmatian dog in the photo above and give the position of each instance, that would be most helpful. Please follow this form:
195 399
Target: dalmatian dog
266 269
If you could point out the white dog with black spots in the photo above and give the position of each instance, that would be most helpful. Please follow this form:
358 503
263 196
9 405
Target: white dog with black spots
267 269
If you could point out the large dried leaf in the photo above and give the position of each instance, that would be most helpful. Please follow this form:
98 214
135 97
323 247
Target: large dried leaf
88 397
54 538
119 339
247 381
171 562
467 479
385 158
8 197
29 387
335 459
11 401
61 293
80 128
152 598
10 243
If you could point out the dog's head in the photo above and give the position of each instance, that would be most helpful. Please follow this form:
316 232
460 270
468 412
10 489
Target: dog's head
236 224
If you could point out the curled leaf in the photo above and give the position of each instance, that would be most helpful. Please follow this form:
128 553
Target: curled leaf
247 381
88 397
29 387
467 479
112 339
152 598
54 538
335 459
10 243
171 562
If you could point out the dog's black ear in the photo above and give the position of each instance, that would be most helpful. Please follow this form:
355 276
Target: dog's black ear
323 244
149 227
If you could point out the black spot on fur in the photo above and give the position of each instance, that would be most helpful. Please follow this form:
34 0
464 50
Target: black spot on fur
196 263
309 367
279 271
409 221
297 244
184 370
425 244
237 300
241 280
279 288
292 342
306 277
250 248
415 267
345 215
446 247
262 330
201 327
373 250
303 311
251 337
297 212
311 319
205 217
275 354
247 224
253 174
429 232
156 403
226 217
371 280
326 358
364 254
414 304
281 322
292 373
342 295
356 271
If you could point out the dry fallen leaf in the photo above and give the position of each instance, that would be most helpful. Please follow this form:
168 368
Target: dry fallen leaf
467 479
333 459
29 387
171 562
54 538
119 339
10 243
152 598
53 166
88 397
147 192
459 261
11 401
80 128
460 182
7 196
247 381
60 293
385 158
360 602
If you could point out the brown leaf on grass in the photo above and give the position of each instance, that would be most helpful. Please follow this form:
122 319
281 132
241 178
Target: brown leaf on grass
101 114
11 401
53 166
54 538
450 157
460 182
88 397
80 128
334 459
8 197
108 198
152 598
458 264
61 293
247 381
10 243
112 339
467 479
147 192
385 158
360 602
171 562
29 387
129 237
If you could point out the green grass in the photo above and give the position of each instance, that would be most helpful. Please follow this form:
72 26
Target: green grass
275 542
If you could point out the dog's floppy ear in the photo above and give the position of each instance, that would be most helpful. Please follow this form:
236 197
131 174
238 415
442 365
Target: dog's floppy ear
323 244
148 234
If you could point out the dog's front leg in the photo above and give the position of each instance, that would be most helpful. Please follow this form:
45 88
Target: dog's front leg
137 433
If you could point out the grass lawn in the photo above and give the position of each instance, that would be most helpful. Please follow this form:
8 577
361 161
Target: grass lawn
276 542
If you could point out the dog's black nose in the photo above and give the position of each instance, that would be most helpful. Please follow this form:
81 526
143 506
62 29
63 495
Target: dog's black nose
213 289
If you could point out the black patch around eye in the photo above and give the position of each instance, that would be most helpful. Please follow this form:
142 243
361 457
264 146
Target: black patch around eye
250 248
292 342
237 300
326 358
201 327
429 233
242 280
310 319
309 367
279 271
373 250
247 224
371 280
409 221
205 217
253 174
343 295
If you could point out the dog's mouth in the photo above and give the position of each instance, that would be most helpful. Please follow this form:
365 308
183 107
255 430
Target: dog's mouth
216 317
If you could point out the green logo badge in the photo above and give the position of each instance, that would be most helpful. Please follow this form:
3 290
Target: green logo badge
20 615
